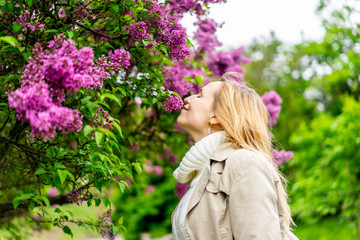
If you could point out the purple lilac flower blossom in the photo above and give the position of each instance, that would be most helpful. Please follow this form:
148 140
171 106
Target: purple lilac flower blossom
49 74
272 102
138 31
205 36
157 170
281 156
222 62
179 7
169 30
149 189
52 192
78 196
27 23
175 78
178 128
167 154
104 225
62 12
174 104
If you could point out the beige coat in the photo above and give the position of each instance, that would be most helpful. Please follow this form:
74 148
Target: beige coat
236 198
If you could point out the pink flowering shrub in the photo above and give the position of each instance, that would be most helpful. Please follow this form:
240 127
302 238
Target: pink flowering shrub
104 225
222 62
27 22
205 36
173 104
49 74
272 101
281 156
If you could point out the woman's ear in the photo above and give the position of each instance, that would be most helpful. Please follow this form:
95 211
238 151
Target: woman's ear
213 120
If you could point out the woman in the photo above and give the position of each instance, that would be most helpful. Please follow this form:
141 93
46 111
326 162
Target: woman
235 191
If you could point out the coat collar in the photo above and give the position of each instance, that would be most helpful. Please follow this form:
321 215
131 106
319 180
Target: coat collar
223 152
220 154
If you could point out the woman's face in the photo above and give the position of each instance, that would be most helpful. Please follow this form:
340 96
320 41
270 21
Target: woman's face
198 110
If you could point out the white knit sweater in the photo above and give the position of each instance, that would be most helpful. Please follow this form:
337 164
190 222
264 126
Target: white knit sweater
196 159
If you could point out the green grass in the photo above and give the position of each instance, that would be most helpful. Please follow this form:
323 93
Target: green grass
329 229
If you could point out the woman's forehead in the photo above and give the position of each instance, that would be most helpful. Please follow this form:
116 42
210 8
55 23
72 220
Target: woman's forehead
211 88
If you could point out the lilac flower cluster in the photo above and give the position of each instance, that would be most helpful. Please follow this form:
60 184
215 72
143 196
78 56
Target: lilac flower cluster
180 189
104 225
222 62
175 78
205 36
281 156
78 196
167 154
179 7
167 28
62 12
25 21
101 118
153 169
149 189
174 103
272 101
49 74
138 31
178 128
52 192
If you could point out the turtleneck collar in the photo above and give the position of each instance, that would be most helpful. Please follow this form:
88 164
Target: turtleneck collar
198 156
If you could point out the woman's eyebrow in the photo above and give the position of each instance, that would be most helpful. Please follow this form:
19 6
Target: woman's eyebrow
201 91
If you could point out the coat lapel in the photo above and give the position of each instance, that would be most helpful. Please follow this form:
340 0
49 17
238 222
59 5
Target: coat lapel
220 154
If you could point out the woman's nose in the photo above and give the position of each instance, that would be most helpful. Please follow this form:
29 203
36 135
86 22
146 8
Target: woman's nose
186 100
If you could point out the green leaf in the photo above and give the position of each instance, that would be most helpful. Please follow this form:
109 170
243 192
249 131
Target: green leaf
17 27
108 133
70 175
16 202
56 179
121 90
40 171
97 202
115 230
87 130
19 199
114 8
199 80
106 201
164 49
67 230
10 40
51 31
140 4
46 200
111 96
59 165
31 205
98 185
137 167
118 128
99 138
70 34
62 175
29 3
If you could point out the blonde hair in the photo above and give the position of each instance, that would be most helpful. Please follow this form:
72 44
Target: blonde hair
243 116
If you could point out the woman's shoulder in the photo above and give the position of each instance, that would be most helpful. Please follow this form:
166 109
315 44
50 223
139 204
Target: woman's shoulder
245 160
